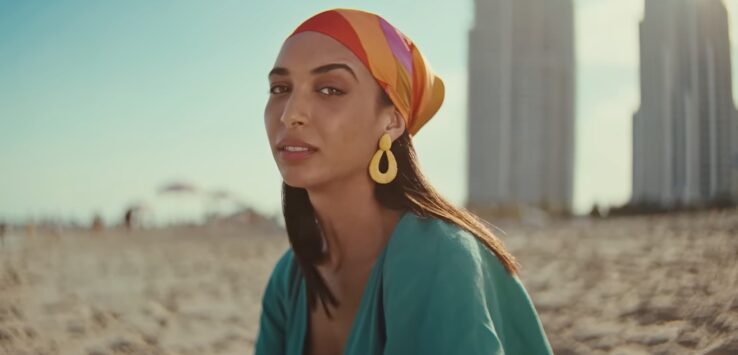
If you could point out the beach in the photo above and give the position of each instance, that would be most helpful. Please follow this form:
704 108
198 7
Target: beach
635 285
662 284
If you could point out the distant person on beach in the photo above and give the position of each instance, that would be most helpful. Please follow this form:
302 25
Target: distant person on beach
129 218
2 232
379 262
97 224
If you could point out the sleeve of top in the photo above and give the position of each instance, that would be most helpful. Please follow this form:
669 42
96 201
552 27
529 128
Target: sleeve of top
271 336
435 302
451 295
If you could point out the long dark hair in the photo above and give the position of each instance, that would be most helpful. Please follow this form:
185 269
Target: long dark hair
410 190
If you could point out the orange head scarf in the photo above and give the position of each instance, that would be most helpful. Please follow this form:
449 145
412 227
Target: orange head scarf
392 58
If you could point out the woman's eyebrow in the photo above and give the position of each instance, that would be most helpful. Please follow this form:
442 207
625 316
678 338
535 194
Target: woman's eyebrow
333 66
279 71
319 70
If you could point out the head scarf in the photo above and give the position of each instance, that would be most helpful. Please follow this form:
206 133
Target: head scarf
392 58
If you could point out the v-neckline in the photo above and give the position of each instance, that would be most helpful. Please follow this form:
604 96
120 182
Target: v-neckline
362 303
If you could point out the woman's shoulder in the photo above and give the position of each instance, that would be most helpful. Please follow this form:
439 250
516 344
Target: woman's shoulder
437 273
440 279
426 243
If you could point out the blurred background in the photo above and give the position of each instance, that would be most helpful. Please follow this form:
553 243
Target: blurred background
140 204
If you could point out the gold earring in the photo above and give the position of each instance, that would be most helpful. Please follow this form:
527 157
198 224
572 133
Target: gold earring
385 143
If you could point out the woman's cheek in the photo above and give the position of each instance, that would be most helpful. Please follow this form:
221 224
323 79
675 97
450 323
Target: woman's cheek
331 109
269 112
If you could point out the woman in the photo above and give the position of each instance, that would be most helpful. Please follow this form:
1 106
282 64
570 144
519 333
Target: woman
379 262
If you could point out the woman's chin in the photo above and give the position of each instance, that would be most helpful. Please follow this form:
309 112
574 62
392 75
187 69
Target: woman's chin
298 180
295 185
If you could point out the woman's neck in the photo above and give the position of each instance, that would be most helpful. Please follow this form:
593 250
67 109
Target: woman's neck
354 224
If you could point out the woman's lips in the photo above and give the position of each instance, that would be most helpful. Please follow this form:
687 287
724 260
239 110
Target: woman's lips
296 153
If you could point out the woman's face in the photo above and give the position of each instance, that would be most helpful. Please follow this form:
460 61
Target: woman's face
323 117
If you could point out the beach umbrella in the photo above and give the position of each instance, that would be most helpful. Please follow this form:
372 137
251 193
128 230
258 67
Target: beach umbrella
183 192
178 187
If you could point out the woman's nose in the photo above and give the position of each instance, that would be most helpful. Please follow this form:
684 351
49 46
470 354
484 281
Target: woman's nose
295 111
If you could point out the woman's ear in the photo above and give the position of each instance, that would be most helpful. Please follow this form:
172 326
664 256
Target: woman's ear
396 125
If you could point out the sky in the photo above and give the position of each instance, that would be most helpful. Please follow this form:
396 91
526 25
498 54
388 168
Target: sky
102 102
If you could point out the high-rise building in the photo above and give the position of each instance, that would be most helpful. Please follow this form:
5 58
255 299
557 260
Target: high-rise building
684 133
521 104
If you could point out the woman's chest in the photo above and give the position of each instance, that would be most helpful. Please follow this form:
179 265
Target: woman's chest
329 336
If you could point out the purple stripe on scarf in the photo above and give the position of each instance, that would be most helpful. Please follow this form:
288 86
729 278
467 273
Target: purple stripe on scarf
398 46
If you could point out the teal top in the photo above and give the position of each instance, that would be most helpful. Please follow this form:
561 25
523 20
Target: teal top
434 289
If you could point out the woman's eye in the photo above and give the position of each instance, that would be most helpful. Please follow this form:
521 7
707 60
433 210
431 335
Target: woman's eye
277 89
330 91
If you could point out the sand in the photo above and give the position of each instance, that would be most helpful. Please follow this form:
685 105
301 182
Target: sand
630 285
635 285
188 291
